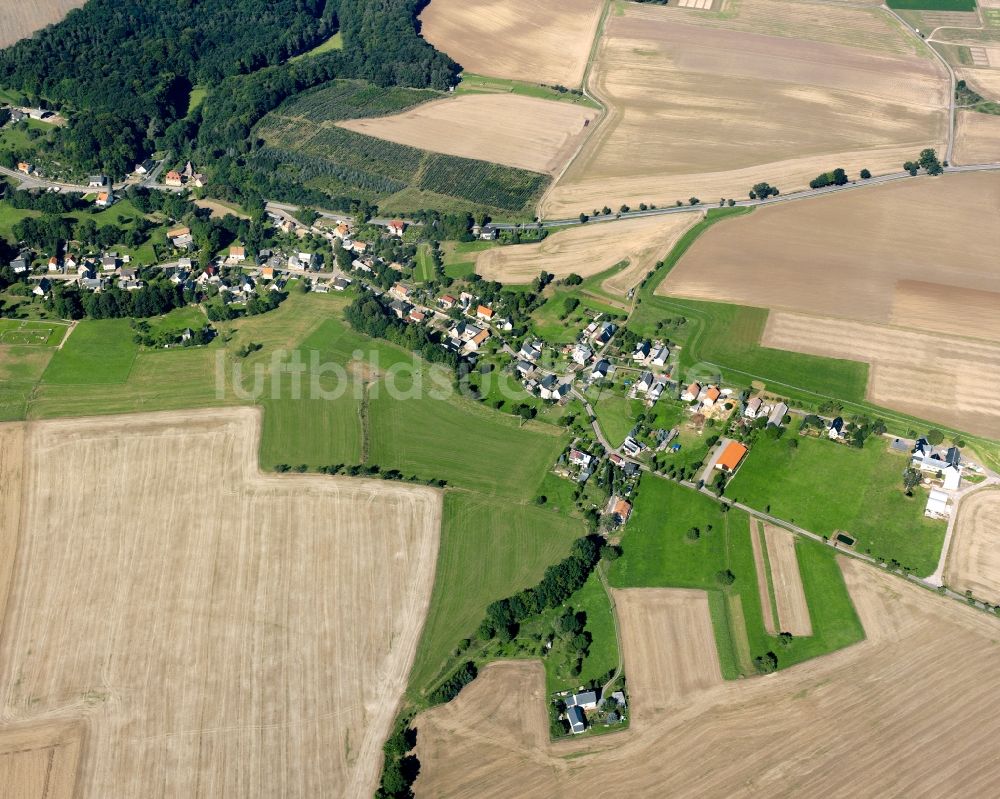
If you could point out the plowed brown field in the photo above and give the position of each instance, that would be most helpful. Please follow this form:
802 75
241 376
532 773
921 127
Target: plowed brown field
799 256
974 556
525 132
911 711
590 249
517 39
904 363
20 18
703 111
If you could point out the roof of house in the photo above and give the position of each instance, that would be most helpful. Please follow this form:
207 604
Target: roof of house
731 456
622 508
712 393
482 310
584 698
694 388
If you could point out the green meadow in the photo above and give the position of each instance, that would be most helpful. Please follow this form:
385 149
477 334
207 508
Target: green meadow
824 486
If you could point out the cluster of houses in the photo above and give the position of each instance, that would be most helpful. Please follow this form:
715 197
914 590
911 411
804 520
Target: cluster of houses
582 703
186 177
943 465
90 272
756 408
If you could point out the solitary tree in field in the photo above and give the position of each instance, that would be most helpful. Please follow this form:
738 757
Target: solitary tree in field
911 479
865 174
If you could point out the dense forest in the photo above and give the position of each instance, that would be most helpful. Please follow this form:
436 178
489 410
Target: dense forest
123 73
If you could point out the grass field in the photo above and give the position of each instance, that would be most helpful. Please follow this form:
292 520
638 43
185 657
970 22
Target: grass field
29 333
425 263
824 487
616 414
659 553
99 351
932 5
335 42
489 549
480 84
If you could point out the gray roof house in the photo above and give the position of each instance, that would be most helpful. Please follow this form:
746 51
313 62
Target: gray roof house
586 699
577 721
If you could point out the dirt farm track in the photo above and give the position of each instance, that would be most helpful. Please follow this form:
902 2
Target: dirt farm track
912 711
194 627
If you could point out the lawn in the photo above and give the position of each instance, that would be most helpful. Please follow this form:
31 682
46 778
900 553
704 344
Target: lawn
602 657
198 95
490 549
425 263
546 321
99 351
177 319
823 487
616 414
658 552
31 333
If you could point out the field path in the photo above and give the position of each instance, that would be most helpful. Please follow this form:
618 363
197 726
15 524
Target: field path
790 597
763 578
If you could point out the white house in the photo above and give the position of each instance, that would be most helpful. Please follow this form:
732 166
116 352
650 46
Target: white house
581 354
660 355
587 700
644 382
752 408
937 504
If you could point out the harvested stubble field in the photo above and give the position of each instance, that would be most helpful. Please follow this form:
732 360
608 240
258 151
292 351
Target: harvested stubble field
515 38
20 18
904 363
789 596
669 646
801 259
589 250
974 556
683 89
984 81
918 693
217 631
40 761
977 138
525 132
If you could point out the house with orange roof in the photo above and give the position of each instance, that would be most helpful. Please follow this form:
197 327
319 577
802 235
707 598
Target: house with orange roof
173 178
620 509
105 199
396 227
237 254
732 456
483 312
710 395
